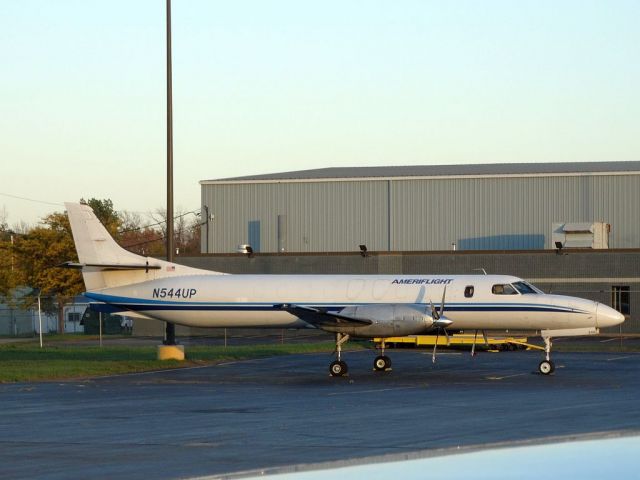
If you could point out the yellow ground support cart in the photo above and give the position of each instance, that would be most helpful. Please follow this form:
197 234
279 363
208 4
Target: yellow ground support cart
495 343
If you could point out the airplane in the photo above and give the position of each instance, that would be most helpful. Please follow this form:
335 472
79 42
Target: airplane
358 306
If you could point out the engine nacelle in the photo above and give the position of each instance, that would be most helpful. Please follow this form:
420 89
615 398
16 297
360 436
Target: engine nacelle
388 321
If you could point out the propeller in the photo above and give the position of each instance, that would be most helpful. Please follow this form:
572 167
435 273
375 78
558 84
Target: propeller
439 322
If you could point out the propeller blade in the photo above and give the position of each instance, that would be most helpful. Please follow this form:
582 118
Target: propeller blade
444 292
434 312
447 335
435 347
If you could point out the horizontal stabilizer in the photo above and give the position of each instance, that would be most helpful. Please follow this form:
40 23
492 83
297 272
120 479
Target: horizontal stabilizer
321 317
111 266
113 310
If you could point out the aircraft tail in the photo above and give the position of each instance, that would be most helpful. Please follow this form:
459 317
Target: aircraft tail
106 264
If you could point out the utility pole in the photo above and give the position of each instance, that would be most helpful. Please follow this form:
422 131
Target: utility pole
206 223
170 329
169 350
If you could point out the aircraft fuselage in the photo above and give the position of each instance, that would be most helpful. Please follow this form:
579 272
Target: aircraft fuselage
253 300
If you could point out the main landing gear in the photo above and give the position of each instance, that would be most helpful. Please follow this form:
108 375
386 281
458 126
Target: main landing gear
339 368
546 366
382 362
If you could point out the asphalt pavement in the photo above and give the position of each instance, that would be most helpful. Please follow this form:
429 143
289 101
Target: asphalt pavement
263 414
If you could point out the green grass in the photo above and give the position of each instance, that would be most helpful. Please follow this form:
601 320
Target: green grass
64 359
28 362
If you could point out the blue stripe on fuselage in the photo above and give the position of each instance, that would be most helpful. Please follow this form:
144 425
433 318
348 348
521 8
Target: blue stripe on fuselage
138 304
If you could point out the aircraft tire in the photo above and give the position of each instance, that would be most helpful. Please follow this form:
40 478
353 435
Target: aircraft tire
381 363
338 368
546 367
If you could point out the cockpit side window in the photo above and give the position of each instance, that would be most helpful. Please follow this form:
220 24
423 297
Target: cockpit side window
468 291
503 289
525 288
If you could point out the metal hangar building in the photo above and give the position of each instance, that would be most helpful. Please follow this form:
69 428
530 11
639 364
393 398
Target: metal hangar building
507 218
426 208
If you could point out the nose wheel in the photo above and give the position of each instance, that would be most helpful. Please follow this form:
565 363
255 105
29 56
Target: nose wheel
546 367
338 368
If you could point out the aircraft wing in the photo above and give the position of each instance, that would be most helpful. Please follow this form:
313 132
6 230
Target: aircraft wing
321 317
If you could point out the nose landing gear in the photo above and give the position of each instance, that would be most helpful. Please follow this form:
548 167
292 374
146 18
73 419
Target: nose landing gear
546 367
338 368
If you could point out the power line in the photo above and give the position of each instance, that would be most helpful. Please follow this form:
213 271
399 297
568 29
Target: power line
144 242
158 223
144 227
31 200
141 228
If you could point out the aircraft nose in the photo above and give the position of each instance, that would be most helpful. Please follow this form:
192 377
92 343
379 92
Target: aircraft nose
608 317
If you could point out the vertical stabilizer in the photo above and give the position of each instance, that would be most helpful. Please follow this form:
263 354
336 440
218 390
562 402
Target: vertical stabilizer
106 264
93 243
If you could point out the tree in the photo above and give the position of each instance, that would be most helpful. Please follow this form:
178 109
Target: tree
4 226
31 260
186 232
144 241
38 254
7 260
7 281
192 243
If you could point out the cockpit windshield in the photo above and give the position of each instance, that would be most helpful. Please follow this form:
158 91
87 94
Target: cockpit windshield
515 288
503 289
525 288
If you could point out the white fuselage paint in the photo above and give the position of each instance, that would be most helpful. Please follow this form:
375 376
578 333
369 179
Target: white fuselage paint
253 300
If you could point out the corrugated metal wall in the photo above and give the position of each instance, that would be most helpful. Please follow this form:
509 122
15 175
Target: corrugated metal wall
330 216
422 214
511 213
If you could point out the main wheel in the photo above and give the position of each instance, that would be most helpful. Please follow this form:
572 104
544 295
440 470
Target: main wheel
338 368
546 367
381 363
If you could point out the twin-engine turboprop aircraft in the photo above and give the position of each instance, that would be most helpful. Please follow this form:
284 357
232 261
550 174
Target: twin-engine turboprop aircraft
365 306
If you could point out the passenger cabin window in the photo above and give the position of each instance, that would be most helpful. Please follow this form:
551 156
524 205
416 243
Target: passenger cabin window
468 291
525 288
503 289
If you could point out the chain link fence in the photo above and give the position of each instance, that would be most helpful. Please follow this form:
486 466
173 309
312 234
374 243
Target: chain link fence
19 321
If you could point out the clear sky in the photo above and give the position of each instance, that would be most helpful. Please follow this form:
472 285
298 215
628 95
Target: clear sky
266 86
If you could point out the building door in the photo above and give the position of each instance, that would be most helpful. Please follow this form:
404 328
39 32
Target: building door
254 235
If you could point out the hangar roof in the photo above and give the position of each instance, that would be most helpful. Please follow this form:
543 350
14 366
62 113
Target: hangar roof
430 171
